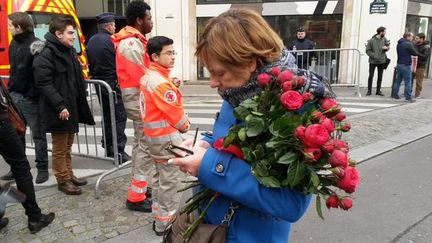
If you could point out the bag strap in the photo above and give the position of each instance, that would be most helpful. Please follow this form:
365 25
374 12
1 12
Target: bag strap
226 221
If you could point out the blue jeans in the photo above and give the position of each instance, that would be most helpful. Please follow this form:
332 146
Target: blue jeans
403 71
30 109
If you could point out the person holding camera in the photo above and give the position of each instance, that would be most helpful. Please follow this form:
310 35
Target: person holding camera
376 49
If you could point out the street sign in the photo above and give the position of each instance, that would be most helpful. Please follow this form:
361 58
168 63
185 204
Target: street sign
378 7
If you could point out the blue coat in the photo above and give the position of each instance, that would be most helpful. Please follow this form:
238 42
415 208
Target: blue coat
265 214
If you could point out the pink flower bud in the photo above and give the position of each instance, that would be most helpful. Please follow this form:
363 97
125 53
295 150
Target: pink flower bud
341 145
287 86
300 132
328 103
329 146
275 71
339 158
263 79
308 96
346 203
332 201
340 116
316 115
339 172
346 127
285 76
313 154
328 124
299 81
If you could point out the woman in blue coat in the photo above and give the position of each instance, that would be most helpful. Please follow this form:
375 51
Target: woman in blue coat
236 47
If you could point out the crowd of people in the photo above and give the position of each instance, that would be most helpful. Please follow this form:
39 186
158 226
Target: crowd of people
48 89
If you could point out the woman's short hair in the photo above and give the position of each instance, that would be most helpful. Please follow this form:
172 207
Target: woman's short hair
60 23
236 37
22 20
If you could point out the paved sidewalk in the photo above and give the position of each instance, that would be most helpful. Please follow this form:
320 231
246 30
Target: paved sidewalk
86 219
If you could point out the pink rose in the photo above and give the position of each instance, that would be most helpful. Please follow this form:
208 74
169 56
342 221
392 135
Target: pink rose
263 79
346 127
315 136
287 86
275 71
340 116
300 132
285 76
316 115
341 145
329 146
350 180
328 103
332 201
328 124
339 172
299 81
346 203
291 100
313 154
308 96
339 158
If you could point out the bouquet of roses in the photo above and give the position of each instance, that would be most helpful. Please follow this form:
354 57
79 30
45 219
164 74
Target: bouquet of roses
291 140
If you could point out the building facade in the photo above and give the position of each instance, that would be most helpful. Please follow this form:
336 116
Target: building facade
331 24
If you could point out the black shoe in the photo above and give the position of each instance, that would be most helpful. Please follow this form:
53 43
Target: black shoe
149 192
368 93
143 206
3 222
8 177
42 176
44 221
125 156
379 93
158 233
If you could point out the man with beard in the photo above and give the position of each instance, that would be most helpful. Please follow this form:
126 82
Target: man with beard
304 59
423 47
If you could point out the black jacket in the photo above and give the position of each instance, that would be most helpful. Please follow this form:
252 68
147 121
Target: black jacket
425 50
58 76
101 54
20 58
304 59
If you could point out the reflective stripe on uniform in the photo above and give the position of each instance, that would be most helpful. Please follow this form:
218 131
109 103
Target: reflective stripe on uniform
133 90
139 177
156 124
181 122
164 139
163 215
137 189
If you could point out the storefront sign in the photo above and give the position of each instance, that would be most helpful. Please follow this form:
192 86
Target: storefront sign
378 7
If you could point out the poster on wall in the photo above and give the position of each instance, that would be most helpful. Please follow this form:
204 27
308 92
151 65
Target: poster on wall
378 7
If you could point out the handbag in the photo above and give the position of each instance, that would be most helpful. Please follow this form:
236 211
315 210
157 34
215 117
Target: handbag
387 63
205 233
14 117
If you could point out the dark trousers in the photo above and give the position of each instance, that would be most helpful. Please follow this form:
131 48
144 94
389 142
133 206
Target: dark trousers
371 74
13 152
120 117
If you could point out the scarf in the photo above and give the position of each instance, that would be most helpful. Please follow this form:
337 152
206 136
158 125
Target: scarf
164 71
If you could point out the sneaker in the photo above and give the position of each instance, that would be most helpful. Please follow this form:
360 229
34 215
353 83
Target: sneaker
395 97
157 232
8 177
125 156
379 93
418 97
368 93
3 222
44 221
143 206
410 101
42 176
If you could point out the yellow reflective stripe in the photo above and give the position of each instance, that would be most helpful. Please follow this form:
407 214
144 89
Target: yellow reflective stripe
182 121
156 124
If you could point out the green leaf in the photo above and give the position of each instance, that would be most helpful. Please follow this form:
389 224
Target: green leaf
270 181
247 153
314 179
254 126
228 140
260 170
241 112
318 206
259 152
296 173
256 113
288 158
249 103
242 134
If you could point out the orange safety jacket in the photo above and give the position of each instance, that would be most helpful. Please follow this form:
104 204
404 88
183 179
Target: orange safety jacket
132 58
161 106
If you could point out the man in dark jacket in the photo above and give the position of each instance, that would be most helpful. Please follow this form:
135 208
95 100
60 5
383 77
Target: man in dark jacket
101 54
405 50
304 59
63 102
423 47
376 49
22 87
13 152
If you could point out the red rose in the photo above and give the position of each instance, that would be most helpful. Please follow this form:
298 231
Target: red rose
275 71
332 201
315 136
299 81
340 116
285 76
341 145
232 149
350 180
346 127
328 124
264 79
308 96
329 146
316 115
339 158
328 103
287 86
346 203
291 100
313 154
300 132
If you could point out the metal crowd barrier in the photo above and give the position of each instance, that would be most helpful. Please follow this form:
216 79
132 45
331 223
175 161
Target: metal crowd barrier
87 141
340 66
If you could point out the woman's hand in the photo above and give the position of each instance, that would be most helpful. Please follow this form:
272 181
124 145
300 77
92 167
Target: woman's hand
64 114
200 143
190 164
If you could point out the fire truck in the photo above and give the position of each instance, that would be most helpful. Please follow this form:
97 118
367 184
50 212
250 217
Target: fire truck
41 12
